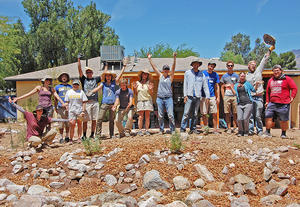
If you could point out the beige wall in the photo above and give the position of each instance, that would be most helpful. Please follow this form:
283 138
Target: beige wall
295 105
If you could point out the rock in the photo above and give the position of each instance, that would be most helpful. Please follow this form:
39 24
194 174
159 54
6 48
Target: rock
216 186
150 202
242 179
37 189
193 197
101 159
293 205
282 190
45 175
129 167
128 180
56 185
99 166
203 203
12 198
214 157
176 204
293 181
238 189
180 167
2 196
249 141
184 136
126 188
65 193
17 168
199 183
110 180
270 200
152 180
242 201
267 174
231 165
283 149
292 162
4 182
30 201
144 159
250 188
271 188
282 176
40 157
16 189
204 173
27 158
152 193
225 170
85 162
181 183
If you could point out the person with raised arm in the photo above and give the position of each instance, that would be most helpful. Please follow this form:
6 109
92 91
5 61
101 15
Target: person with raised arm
164 98
108 87
36 123
89 83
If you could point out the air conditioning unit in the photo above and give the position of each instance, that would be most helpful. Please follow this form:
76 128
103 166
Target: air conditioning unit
113 53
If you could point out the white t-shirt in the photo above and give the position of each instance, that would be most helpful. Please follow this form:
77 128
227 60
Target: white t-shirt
75 99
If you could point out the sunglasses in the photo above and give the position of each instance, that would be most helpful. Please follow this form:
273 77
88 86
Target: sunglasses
89 72
230 66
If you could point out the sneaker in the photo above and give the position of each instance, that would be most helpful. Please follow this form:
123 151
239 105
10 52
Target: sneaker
147 133
266 135
121 135
83 138
233 130
127 134
228 131
140 133
182 130
283 136
67 139
195 131
92 137
260 134
61 141
239 135
251 134
246 135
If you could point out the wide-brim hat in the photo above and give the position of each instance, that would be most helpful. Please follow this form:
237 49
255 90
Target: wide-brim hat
88 68
59 77
47 77
114 75
144 71
196 60
39 107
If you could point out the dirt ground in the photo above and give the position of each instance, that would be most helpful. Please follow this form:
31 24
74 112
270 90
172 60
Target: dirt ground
134 147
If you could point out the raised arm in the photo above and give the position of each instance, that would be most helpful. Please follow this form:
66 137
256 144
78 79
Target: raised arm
122 71
173 66
153 66
33 91
16 105
79 67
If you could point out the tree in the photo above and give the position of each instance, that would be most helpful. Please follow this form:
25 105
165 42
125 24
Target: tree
287 60
240 44
258 51
229 55
163 50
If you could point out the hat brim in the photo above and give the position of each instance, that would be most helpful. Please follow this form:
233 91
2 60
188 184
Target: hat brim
212 64
196 62
59 77
104 74
144 71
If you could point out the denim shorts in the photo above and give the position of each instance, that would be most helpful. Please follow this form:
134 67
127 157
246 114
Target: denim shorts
280 110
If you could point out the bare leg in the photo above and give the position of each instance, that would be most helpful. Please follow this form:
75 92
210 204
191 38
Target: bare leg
72 128
228 121
269 123
79 125
284 125
141 119
205 120
84 127
93 125
67 131
234 120
215 119
147 117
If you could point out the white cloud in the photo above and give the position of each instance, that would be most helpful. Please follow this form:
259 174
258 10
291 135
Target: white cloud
260 5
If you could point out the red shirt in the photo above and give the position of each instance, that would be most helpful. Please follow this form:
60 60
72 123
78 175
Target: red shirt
281 90
35 127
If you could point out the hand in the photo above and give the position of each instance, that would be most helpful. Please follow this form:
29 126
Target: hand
134 84
9 100
266 104
291 99
175 54
149 56
185 99
218 101
207 101
15 100
272 48
80 56
113 108
90 93
65 105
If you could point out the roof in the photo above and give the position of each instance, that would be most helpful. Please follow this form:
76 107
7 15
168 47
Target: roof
134 65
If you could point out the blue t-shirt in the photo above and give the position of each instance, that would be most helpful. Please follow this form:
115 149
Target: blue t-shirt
109 93
212 79
61 90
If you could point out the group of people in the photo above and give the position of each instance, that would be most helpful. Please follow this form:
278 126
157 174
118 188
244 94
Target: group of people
242 96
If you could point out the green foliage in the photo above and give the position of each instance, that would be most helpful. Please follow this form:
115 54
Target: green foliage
258 51
91 145
229 55
239 45
162 50
176 144
297 145
287 60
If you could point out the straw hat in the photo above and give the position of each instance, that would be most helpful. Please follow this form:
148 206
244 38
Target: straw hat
64 73
47 77
108 73
196 60
88 68
144 71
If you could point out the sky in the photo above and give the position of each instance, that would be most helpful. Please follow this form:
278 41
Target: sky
205 26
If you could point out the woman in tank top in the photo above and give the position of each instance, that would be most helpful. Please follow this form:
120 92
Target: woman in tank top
45 92
144 90
164 99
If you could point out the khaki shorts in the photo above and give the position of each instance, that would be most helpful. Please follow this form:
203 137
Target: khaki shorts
92 108
230 102
212 108
74 115
144 105
62 113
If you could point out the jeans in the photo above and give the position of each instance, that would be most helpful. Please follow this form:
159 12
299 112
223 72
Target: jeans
191 109
243 114
257 108
162 104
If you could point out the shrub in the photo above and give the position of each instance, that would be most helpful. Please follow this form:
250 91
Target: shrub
176 143
91 145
